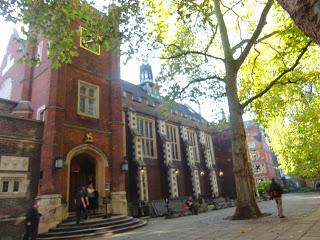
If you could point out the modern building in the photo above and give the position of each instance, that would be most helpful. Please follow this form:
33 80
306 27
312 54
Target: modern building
64 128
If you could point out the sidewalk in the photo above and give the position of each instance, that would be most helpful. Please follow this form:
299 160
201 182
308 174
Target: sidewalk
302 222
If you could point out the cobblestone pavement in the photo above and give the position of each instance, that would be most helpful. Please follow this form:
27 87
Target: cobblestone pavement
302 222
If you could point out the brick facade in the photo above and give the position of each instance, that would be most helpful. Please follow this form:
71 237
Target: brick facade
18 138
63 133
263 160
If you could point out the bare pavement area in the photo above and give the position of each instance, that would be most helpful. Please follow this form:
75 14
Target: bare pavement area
302 222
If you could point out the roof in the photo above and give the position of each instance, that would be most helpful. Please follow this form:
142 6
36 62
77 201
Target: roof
138 92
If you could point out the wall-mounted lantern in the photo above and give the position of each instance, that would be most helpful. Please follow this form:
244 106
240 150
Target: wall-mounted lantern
58 163
141 168
125 164
221 173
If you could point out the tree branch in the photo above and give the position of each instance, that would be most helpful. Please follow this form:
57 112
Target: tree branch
223 31
256 33
240 44
277 79
197 80
184 53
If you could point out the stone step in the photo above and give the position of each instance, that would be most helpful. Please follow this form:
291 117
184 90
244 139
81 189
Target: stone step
93 221
99 231
98 223
72 216
91 229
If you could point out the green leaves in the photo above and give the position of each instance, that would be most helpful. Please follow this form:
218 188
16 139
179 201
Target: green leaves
57 22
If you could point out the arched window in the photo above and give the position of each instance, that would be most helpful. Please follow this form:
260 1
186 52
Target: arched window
5 89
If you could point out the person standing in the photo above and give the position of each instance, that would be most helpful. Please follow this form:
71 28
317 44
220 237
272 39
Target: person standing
92 196
275 192
32 222
80 204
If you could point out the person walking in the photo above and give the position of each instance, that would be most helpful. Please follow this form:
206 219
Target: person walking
80 204
32 222
275 192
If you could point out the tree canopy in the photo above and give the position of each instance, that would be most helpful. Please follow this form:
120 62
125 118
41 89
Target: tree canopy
289 110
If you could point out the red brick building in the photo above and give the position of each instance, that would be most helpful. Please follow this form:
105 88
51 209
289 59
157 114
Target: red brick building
79 105
263 160
89 122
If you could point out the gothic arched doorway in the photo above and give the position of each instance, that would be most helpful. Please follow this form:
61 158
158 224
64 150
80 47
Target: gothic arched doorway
82 173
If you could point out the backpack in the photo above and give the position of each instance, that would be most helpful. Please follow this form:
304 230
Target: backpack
273 194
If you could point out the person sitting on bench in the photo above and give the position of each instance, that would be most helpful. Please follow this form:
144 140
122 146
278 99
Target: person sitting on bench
190 205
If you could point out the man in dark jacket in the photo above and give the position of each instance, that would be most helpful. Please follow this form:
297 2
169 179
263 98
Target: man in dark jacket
32 222
80 204
275 192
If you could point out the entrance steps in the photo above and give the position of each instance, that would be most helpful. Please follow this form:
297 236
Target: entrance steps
94 225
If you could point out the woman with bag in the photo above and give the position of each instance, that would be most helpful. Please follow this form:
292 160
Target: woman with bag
275 192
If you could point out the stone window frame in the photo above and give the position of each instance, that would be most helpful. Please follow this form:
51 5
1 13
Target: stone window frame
262 168
147 137
12 178
174 142
193 141
209 145
96 98
254 155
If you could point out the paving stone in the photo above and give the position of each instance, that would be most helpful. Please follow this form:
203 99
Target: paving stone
302 223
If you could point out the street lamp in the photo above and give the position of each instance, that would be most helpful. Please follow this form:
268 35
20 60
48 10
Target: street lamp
220 173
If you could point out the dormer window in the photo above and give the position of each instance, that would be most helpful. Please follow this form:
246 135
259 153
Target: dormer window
87 42
88 99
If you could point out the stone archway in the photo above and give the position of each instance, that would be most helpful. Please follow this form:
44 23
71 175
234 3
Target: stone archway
101 166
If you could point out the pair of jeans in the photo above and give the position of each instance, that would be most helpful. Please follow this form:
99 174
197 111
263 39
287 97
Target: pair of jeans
279 206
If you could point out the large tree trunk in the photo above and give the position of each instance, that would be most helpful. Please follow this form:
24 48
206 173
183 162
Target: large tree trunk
306 14
245 186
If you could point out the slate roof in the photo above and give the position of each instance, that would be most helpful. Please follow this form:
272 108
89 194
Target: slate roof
138 92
